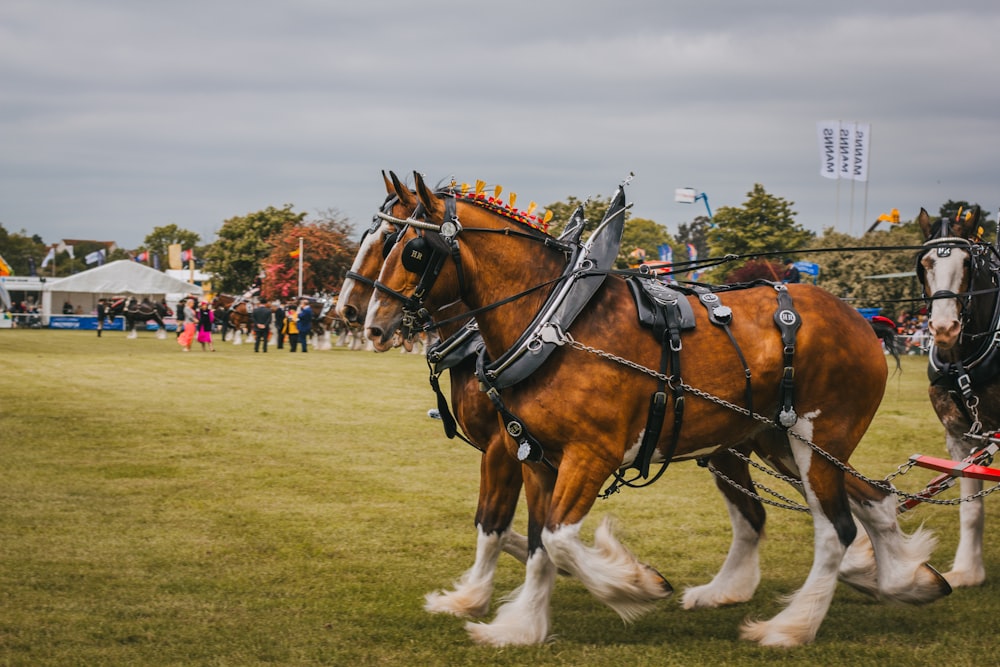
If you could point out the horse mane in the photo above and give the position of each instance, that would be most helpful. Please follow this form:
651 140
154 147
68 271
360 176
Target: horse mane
496 205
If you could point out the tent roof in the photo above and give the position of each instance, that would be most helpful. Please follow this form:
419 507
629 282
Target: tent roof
122 277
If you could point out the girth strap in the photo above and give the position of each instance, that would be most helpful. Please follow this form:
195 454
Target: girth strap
788 322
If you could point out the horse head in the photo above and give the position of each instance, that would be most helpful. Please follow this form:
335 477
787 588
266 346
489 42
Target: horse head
376 242
950 269
423 273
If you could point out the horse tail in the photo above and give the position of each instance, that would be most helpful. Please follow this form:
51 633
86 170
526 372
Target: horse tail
885 329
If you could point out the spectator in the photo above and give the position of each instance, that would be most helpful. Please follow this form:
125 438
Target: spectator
206 319
291 328
190 322
279 325
304 323
261 318
791 272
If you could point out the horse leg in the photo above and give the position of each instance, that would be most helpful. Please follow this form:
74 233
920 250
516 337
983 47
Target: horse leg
833 530
740 573
967 568
609 570
524 616
902 572
499 486
161 331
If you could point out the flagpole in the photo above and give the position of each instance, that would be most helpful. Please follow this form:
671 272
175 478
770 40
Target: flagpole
300 267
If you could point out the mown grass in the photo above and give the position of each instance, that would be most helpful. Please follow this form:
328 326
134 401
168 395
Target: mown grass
227 508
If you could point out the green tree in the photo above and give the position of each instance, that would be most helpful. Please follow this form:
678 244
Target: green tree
593 212
695 233
17 248
764 224
244 242
645 236
160 239
851 275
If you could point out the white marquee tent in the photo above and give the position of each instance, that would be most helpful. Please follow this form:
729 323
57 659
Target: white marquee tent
123 277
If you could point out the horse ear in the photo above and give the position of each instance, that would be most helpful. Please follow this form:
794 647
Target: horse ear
404 193
969 224
433 205
388 184
924 221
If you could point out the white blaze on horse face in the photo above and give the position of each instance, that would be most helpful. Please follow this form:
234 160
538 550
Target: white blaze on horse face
370 245
944 274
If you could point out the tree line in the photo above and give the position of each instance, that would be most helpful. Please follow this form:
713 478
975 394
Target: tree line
761 234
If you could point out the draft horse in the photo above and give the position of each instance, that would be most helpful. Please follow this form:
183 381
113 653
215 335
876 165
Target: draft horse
961 276
577 440
233 313
500 475
136 312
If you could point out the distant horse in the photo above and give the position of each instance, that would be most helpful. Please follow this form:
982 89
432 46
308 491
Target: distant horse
139 313
500 474
233 312
961 276
818 378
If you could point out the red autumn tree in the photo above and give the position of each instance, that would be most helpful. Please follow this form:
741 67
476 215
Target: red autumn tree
327 253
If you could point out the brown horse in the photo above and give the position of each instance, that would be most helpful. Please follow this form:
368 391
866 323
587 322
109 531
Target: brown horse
233 313
839 374
961 275
500 475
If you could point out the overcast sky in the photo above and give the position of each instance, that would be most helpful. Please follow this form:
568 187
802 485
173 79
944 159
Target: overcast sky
118 116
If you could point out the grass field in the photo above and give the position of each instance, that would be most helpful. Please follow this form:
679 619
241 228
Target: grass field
232 508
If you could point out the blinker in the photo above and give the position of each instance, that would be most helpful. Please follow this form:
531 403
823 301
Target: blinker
415 254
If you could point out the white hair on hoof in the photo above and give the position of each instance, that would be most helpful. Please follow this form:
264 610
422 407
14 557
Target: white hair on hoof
523 618
608 570
471 594
739 576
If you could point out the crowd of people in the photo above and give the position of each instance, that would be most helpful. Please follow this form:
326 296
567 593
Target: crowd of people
292 321
912 330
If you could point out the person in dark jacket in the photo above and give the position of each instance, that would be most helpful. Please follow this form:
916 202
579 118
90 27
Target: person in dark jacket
261 317
304 323
279 325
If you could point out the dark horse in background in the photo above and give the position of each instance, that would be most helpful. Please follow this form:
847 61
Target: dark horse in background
136 312
495 266
961 275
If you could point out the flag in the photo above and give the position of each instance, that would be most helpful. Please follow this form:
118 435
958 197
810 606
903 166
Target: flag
187 255
5 269
69 249
666 252
845 143
156 261
142 257
294 253
95 257
859 153
693 256
828 132
50 257
174 256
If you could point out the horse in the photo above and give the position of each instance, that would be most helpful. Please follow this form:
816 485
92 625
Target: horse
500 475
232 312
136 312
961 275
822 388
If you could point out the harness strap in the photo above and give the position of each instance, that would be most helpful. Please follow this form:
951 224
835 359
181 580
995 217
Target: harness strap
721 316
528 448
788 322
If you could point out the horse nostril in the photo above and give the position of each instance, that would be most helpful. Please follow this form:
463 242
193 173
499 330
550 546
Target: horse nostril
374 333
351 313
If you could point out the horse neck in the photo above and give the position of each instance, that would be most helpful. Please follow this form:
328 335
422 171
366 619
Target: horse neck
496 267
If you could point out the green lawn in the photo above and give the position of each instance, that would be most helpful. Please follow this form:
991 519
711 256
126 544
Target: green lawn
232 508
